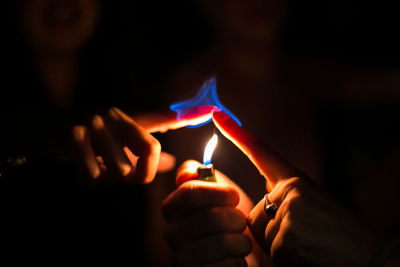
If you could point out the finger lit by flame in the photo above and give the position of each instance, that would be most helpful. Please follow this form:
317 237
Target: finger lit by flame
210 147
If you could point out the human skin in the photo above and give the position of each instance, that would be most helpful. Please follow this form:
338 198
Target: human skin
115 146
310 226
206 221
109 146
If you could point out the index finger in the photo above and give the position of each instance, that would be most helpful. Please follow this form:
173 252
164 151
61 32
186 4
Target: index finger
271 165
168 120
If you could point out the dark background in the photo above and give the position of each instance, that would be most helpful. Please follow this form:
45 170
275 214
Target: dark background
140 44
153 38
360 32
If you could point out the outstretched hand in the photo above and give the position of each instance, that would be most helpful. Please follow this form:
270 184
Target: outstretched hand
115 146
309 226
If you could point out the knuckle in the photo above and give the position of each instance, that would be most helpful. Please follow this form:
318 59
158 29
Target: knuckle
291 204
285 206
231 196
293 184
152 146
156 145
297 182
251 218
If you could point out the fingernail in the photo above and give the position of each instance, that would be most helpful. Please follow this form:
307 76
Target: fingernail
97 122
95 172
113 114
79 133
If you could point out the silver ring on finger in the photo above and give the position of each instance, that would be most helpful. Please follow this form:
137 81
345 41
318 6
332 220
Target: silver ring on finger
269 207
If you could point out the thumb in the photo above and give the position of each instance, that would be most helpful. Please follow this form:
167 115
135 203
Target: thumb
187 171
271 165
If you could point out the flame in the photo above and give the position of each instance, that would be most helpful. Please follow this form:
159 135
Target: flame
205 97
210 147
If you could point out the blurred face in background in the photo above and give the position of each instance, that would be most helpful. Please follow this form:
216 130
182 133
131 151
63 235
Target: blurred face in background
248 20
58 26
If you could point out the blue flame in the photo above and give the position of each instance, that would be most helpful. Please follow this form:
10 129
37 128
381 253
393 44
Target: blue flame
207 95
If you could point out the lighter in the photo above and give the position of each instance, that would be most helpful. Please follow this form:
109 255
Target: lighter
206 172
